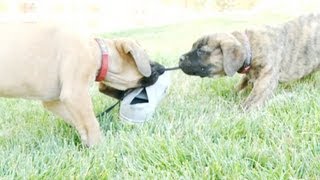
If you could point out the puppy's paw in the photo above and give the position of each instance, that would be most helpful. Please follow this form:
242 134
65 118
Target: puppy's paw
250 105
245 107
93 139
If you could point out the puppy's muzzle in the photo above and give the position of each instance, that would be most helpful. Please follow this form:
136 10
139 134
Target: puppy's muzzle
186 65
156 70
193 66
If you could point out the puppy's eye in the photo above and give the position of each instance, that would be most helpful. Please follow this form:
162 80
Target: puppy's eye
202 52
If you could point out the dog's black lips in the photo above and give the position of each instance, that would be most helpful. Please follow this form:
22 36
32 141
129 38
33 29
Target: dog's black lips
196 69
156 70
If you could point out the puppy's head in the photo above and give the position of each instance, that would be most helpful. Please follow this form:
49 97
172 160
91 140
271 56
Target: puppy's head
213 55
129 67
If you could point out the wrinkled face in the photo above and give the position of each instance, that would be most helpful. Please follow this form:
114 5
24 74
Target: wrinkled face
157 70
204 59
213 56
129 67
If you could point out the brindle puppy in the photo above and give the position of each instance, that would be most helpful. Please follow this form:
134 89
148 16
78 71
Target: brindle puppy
266 56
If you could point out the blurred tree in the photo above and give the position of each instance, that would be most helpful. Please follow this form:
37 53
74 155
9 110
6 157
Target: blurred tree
220 5
192 4
27 7
223 5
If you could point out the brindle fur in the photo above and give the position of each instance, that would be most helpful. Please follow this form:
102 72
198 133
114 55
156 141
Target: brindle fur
279 54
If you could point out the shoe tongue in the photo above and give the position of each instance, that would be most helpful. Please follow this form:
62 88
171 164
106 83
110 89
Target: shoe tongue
142 97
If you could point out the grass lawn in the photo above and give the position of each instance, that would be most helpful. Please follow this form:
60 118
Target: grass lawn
196 133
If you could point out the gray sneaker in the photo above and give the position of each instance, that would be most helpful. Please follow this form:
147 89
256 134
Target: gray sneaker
140 104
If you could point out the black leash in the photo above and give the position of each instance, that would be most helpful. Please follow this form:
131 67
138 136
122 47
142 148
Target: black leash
115 104
125 94
108 110
171 69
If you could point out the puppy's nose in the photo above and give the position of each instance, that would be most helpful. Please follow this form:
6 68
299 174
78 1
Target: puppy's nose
161 70
182 58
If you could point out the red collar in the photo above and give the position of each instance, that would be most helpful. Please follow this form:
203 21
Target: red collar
102 73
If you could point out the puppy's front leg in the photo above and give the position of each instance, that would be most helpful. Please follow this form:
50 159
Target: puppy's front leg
242 84
77 103
59 108
88 128
263 88
80 107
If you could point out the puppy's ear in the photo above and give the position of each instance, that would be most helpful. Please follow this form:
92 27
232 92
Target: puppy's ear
233 55
140 57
